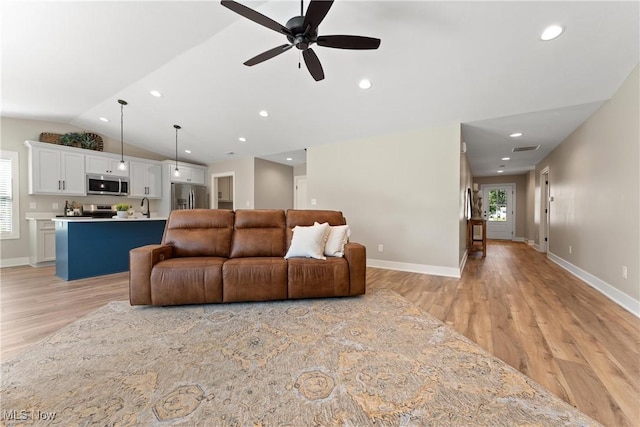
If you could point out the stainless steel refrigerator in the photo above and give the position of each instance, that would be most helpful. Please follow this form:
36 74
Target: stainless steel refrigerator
189 196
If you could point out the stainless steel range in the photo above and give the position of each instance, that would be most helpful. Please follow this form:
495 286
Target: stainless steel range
98 211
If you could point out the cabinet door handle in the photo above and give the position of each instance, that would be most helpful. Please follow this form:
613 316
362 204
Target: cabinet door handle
59 186
64 186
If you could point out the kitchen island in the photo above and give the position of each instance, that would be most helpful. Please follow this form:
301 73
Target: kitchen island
88 247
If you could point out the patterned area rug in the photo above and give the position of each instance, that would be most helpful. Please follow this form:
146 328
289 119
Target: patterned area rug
363 361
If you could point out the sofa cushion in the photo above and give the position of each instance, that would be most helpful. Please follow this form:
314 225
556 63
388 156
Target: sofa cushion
258 233
307 217
188 280
312 278
199 232
254 279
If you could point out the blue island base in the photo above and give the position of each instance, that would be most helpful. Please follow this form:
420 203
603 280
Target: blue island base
94 248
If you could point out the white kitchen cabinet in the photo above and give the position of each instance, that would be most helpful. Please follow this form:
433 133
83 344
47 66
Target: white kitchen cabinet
145 180
105 165
193 174
55 171
42 237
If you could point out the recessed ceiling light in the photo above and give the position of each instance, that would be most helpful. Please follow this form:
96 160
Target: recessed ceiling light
103 119
264 113
365 84
187 151
500 171
155 93
289 159
516 135
551 32
506 158
242 139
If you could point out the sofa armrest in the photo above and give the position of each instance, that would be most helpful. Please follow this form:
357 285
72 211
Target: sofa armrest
356 256
141 262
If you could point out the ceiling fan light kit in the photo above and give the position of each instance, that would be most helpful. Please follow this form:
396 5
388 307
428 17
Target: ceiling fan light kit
302 32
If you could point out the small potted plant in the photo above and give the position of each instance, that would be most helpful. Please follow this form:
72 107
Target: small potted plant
122 210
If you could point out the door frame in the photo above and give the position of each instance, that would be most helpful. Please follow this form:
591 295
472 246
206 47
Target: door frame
295 189
485 205
214 187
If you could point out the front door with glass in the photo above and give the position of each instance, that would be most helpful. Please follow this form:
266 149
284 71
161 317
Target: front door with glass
499 210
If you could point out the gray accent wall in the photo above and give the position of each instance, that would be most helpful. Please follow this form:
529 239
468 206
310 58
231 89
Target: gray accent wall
273 185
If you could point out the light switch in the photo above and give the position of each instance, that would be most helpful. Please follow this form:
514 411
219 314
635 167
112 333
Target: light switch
54 206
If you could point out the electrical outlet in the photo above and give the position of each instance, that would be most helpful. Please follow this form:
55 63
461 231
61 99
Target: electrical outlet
380 247
54 206
32 205
624 271
314 202
570 249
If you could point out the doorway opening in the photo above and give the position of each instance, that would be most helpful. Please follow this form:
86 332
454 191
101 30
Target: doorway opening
223 195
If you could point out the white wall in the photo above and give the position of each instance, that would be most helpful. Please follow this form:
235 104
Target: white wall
402 191
594 179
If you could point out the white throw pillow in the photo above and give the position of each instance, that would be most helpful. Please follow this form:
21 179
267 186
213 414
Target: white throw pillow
337 238
308 242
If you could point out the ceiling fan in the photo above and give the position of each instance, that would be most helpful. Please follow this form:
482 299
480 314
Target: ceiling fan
302 32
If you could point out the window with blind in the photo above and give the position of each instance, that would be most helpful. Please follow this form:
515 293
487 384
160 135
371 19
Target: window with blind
9 223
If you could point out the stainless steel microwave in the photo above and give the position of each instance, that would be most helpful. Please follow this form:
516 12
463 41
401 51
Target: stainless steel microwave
104 184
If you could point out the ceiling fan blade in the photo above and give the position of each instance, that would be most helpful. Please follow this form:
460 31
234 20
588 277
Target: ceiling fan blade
348 42
313 64
316 12
255 16
268 54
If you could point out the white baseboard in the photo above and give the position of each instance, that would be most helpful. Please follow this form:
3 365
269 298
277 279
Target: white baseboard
463 261
531 242
435 270
14 262
615 295
519 239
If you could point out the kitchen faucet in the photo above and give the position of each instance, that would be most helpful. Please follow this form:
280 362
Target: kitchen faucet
148 213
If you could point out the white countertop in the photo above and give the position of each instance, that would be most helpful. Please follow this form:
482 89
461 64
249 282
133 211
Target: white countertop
39 216
130 219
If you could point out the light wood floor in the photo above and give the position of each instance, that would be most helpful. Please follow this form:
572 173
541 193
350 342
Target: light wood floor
515 303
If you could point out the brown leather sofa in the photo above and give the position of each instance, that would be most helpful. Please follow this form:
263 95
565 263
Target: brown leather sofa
217 255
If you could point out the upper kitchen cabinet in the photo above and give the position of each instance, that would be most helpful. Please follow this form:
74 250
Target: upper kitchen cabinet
55 170
189 173
145 180
105 164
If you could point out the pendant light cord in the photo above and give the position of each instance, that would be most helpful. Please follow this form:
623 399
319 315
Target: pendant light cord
177 127
122 104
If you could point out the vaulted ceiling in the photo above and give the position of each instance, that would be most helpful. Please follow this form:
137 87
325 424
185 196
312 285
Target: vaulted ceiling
477 63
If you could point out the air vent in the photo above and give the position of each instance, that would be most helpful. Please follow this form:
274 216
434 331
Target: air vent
530 148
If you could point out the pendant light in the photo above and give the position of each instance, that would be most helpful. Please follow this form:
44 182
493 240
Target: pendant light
176 172
122 166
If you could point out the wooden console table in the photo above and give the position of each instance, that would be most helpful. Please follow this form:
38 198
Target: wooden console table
477 236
